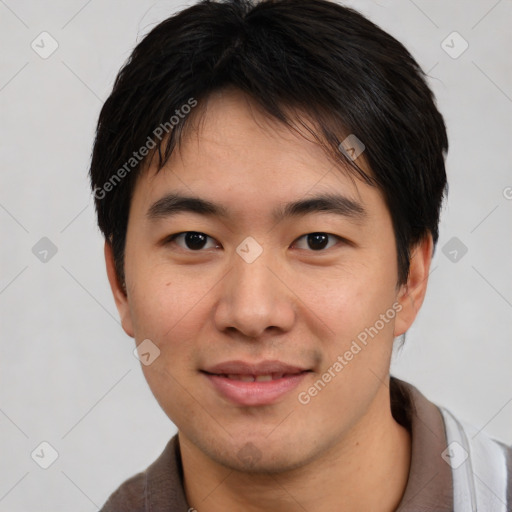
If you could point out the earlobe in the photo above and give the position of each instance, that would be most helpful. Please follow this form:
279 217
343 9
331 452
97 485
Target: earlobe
413 292
118 291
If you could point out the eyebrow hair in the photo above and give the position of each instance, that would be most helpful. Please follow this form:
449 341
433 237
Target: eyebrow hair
328 203
174 203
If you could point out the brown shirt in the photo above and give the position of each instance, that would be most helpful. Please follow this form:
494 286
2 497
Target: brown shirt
429 488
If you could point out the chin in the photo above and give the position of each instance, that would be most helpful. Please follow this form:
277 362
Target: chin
259 457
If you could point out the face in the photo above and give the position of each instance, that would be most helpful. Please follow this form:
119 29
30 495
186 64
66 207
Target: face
267 279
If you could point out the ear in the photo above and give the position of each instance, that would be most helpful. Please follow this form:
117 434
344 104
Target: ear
413 292
118 291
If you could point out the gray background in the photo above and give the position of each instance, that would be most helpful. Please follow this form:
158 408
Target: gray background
67 372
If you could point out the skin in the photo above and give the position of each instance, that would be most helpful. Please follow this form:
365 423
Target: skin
293 304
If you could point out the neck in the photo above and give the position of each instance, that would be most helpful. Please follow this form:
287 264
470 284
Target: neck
374 455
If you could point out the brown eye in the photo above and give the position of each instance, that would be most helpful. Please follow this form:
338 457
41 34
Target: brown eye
193 241
316 241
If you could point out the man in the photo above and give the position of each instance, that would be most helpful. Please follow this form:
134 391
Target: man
268 177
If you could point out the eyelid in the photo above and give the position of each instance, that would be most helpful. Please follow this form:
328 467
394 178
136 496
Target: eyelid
172 239
337 237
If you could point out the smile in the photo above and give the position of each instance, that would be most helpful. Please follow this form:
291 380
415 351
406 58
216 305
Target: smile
246 384
257 378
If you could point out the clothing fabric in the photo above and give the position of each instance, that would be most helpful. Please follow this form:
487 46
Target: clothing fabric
479 468
445 457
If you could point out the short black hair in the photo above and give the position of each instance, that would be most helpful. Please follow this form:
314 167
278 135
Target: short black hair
298 59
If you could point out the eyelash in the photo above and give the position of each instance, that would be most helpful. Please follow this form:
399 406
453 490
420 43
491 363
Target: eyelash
172 239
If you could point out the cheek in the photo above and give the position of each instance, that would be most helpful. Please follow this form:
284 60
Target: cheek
352 297
171 311
168 307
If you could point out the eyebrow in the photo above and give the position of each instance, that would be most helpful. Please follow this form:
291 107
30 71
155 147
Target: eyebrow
326 203
176 203
172 204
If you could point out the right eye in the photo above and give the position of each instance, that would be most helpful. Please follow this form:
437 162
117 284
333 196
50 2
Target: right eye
193 241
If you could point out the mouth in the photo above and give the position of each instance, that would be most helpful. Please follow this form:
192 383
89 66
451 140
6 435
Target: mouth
248 384
257 378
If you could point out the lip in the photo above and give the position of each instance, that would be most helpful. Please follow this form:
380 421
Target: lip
257 392
261 368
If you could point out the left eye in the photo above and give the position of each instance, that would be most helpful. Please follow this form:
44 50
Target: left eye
316 241
193 240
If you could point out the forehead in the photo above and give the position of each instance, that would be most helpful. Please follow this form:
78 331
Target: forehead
232 128
234 153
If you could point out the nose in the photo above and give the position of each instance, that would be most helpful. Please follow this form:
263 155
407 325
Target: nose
254 299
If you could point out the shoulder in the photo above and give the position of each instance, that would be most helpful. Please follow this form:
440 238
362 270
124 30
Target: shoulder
129 497
481 465
159 488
